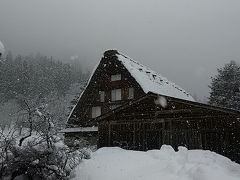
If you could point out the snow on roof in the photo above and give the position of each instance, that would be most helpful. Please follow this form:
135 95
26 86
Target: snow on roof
80 129
151 81
2 49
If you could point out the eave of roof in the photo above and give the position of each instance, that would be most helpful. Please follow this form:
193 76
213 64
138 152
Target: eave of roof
80 129
198 104
151 94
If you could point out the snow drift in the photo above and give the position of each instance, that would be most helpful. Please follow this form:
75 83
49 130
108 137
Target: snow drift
118 164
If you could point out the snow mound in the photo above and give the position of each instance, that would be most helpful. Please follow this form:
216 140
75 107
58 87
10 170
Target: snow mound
118 164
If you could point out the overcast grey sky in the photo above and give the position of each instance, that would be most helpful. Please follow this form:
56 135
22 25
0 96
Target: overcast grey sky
184 40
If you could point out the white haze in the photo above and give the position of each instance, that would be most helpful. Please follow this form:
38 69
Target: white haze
183 40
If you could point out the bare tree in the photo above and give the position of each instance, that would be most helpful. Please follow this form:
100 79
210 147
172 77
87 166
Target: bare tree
39 152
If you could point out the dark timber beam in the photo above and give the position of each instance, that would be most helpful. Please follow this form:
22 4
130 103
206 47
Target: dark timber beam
176 111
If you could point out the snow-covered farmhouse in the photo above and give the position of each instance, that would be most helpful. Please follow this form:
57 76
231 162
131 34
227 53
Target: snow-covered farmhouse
127 104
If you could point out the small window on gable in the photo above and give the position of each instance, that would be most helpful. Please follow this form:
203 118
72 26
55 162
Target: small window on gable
102 96
116 77
116 95
96 111
130 93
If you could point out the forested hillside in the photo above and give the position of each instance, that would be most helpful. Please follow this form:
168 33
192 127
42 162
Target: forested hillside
41 80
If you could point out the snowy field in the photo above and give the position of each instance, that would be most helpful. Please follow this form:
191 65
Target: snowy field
166 164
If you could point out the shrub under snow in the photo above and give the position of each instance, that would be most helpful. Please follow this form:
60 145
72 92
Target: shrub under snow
37 159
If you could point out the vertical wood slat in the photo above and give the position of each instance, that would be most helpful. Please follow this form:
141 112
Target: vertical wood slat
134 134
198 134
109 134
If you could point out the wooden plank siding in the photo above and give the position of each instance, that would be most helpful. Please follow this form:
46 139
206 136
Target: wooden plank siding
101 81
145 126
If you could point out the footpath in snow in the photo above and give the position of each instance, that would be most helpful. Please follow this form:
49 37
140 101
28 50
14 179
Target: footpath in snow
166 164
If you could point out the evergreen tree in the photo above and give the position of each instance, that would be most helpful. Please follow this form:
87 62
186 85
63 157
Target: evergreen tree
225 87
31 76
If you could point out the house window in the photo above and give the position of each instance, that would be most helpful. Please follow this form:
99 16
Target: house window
102 96
130 93
116 77
96 111
116 94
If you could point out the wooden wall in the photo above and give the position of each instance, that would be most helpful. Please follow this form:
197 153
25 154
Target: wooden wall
101 81
201 128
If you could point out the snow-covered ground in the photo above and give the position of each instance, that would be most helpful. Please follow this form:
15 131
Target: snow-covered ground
166 164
